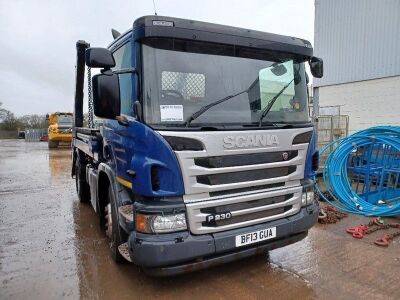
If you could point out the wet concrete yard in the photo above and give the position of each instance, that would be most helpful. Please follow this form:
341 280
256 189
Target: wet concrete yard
51 248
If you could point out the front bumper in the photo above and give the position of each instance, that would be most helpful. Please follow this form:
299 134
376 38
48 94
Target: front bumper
61 137
177 253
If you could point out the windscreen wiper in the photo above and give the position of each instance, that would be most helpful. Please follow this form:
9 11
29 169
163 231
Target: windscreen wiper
279 125
271 103
203 109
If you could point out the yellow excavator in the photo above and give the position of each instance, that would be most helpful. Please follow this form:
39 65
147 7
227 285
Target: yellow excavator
60 128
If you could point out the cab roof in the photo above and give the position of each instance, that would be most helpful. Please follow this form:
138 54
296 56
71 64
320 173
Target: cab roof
169 27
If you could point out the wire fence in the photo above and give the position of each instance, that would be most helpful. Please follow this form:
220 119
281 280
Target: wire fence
330 129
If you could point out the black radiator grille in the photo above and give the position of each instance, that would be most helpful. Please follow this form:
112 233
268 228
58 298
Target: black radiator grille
242 176
244 159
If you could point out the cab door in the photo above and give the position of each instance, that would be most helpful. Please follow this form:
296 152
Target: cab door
118 135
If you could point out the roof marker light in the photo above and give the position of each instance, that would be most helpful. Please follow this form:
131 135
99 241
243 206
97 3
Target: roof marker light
163 23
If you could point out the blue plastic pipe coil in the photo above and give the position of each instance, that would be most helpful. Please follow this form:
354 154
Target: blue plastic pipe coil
376 169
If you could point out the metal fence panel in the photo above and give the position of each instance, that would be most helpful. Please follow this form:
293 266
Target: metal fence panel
34 135
329 129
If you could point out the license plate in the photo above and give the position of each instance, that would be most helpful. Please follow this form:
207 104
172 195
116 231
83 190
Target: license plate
255 236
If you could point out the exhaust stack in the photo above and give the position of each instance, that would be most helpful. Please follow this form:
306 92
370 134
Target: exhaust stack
81 47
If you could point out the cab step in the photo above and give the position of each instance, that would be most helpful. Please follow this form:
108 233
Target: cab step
126 211
123 250
126 217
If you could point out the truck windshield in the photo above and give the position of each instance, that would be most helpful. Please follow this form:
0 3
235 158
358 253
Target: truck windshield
64 119
181 80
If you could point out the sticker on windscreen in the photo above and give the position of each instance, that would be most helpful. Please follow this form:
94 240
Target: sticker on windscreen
171 113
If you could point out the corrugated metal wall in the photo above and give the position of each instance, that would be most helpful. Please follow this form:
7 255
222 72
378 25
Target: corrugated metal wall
357 39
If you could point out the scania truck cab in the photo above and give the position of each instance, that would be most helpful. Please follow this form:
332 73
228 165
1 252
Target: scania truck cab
206 151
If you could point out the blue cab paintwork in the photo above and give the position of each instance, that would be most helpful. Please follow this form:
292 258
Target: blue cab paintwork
137 147
308 168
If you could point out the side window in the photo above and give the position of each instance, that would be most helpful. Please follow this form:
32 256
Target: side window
122 58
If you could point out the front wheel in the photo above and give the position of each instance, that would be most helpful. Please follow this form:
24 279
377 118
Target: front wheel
114 232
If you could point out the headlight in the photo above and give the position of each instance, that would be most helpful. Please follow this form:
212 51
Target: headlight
160 224
308 196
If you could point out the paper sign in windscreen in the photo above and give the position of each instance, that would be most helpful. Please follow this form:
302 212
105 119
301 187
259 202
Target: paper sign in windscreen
171 113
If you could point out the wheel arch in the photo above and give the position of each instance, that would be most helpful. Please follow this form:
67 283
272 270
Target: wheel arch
103 184
106 179
76 154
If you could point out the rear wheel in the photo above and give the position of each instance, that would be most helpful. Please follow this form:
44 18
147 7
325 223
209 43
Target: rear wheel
115 235
82 187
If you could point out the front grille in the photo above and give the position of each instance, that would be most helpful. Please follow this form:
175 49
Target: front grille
245 205
247 189
252 216
244 210
218 171
244 159
242 176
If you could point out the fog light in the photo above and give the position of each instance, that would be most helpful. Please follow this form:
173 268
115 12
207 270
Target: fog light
304 199
310 196
160 224
307 197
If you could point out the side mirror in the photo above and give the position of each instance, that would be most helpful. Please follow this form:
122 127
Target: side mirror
106 97
137 107
99 58
316 67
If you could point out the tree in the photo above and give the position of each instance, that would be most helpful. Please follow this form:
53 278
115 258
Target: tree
33 121
9 121
3 112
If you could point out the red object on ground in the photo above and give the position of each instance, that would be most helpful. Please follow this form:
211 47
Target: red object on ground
384 240
358 232
330 208
44 138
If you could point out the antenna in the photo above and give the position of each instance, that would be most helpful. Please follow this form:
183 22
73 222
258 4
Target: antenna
154 5
115 33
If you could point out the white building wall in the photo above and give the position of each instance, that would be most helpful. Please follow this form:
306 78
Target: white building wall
368 103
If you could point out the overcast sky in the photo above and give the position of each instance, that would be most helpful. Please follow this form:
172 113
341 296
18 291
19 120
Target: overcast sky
37 38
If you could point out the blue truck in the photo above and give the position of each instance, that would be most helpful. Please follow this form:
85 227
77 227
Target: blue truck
203 151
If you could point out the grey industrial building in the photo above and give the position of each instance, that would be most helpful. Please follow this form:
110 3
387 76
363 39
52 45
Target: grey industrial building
359 41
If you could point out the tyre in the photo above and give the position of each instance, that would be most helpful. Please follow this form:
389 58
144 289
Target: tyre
82 187
52 144
115 235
